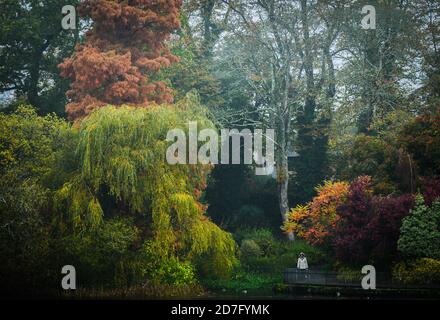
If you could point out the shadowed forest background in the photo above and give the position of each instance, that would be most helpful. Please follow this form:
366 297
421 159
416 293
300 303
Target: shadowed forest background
85 115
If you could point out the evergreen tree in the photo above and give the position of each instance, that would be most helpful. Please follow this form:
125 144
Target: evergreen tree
122 53
420 231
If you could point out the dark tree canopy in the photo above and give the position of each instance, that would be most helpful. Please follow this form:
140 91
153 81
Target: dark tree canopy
31 47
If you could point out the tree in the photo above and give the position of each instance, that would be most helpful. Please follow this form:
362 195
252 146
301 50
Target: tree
372 156
431 189
384 227
421 138
29 149
375 60
266 71
368 226
352 243
122 172
274 51
30 50
428 15
193 71
420 231
316 222
320 25
105 255
122 53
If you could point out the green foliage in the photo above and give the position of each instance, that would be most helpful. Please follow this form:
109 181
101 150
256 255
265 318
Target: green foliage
243 280
78 209
261 269
92 194
29 151
192 73
147 290
316 258
420 231
263 237
249 249
165 270
32 44
421 137
348 274
378 154
372 156
122 170
28 143
248 215
275 255
389 127
104 255
420 271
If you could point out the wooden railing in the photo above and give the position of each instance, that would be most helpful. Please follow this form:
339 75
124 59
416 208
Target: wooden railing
315 277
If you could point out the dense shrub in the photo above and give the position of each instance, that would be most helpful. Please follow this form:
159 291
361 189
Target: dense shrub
290 251
248 215
420 231
317 259
316 221
29 149
168 270
420 271
421 138
103 256
430 189
263 237
352 244
250 249
383 227
369 225
91 195
277 254
122 171
369 156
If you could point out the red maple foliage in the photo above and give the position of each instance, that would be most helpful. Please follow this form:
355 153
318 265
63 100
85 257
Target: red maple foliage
384 226
430 189
352 243
122 52
369 225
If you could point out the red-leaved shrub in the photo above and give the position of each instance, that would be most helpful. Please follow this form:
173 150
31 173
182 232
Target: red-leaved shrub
369 225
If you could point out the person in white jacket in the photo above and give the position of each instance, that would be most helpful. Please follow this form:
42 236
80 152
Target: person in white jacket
302 262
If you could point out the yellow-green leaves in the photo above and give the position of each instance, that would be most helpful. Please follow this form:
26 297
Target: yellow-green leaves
121 155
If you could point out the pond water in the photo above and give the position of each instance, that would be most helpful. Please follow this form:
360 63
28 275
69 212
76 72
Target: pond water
263 294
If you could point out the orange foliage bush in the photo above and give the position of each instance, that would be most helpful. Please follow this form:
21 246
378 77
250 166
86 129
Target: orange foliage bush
316 221
120 54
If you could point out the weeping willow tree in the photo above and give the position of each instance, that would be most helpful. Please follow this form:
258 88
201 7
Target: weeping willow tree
122 171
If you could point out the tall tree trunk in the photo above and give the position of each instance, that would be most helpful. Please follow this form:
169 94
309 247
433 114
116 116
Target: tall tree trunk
34 77
283 187
210 31
34 73
284 120
308 164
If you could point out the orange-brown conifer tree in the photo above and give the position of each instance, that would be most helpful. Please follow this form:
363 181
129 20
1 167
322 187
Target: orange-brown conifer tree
122 51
